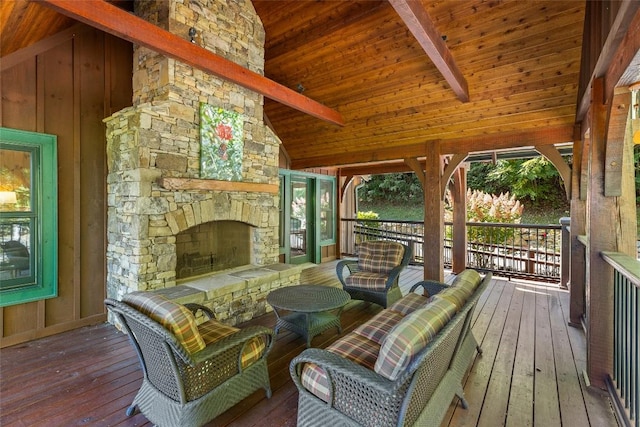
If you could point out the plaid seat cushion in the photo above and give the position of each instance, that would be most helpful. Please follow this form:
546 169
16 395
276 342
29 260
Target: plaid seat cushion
367 280
412 335
409 303
379 325
174 317
456 295
212 331
353 347
468 280
379 256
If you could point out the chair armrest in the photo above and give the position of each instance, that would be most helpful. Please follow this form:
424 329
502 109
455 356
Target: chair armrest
431 287
193 307
350 264
334 365
239 338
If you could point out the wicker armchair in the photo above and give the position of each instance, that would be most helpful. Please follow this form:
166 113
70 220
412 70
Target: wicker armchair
374 275
184 383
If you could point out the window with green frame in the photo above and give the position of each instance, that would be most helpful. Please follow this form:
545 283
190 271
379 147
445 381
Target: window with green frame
28 217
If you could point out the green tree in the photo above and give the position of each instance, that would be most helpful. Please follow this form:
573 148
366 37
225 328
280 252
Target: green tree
392 188
534 181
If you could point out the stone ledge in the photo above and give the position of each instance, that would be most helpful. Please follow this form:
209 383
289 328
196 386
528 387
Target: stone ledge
235 295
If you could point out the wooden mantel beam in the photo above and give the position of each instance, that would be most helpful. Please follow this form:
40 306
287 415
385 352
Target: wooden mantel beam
423 29
113 20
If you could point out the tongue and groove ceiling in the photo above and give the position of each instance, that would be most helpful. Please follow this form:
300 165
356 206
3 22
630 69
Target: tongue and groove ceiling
520 61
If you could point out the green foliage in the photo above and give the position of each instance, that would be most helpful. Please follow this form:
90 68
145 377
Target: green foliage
534 181
393 187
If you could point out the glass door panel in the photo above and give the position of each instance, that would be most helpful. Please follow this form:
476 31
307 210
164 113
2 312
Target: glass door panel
299 221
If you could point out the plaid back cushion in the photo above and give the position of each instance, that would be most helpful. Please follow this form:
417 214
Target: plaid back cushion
412 335
456 295
468 280
212 331
409 303
379 256
174 317
379 325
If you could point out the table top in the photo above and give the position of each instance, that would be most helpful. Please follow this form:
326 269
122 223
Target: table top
308 298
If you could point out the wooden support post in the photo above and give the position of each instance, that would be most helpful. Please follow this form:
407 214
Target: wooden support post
459 250
578 266
433 248
601 222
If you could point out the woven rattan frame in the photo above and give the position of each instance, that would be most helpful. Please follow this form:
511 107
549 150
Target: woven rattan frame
182 389
420 396
391 291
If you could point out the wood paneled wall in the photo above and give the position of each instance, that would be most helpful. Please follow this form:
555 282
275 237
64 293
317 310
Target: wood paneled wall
65 86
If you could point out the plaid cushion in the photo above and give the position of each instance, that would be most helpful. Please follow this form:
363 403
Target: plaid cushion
353 347
212 331
468 280
409 303
456 295
379 256
176 318
379 325
412 335
367 280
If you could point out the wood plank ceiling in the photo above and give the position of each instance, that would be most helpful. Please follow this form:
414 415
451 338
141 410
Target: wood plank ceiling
521 61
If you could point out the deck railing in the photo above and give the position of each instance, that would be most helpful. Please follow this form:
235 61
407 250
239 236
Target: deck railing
512 250
625 381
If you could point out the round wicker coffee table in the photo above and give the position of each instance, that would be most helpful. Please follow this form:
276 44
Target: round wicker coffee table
311 309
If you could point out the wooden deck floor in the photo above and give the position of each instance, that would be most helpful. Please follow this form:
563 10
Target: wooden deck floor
530 372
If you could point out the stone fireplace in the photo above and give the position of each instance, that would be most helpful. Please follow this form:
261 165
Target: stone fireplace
165 224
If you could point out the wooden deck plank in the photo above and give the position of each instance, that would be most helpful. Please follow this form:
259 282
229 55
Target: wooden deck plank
500 383
546 411
572 405
90 375
491 320
520 409
598 404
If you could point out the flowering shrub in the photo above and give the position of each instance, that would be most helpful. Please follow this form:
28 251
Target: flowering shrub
483 207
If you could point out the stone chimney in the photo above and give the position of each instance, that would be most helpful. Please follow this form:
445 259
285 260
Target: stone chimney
159 138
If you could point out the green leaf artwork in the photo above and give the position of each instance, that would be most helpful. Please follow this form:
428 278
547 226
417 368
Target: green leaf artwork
221 144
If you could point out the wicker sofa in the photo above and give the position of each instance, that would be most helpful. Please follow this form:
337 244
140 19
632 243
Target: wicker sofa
402 367
191 372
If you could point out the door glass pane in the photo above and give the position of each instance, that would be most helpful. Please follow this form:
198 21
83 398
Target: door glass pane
326 210
298 218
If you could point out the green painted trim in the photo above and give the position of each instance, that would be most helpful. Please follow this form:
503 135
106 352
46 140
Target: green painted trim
44 213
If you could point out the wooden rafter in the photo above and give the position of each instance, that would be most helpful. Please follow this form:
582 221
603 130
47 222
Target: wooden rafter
113 20
423 29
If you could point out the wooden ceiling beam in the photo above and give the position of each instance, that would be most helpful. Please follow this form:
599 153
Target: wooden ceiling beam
113 20
469 144
417 20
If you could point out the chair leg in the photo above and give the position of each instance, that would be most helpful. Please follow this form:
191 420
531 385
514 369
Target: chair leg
463 401
479 349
